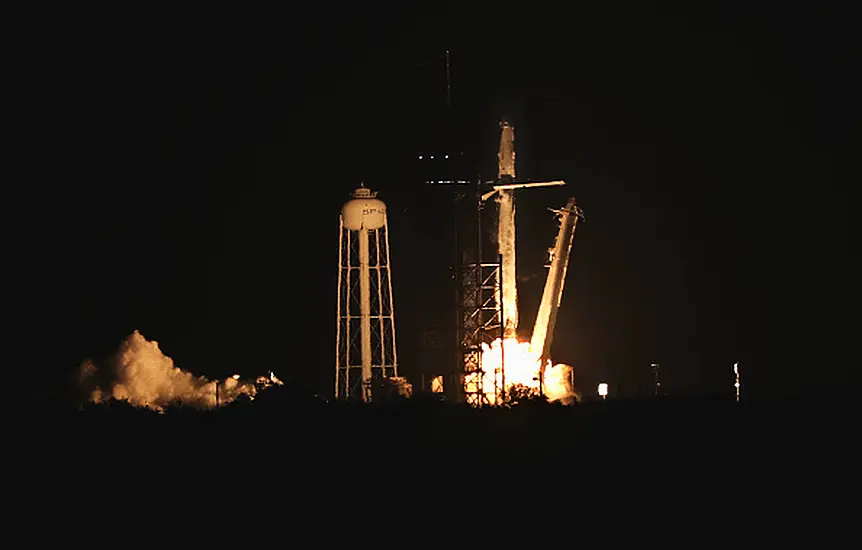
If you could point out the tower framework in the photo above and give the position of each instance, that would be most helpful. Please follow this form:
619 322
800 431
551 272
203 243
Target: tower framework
478 298
365 333
487 289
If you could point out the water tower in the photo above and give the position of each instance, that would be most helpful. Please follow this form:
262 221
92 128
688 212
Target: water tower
365 335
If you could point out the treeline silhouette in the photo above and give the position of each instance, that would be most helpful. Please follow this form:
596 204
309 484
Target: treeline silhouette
294 432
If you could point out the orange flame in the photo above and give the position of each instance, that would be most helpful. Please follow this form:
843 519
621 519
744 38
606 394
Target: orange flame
521 369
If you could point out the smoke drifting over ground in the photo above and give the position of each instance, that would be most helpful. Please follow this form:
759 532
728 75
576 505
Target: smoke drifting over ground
145 377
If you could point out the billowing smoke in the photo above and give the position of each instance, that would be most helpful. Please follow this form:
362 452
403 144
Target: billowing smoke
519 364
559 384
145 377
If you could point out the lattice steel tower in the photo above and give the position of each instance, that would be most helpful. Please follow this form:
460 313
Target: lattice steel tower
479 312
365 334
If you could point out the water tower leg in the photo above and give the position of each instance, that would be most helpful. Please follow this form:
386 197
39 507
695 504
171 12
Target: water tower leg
390 301
365 311
338 365
380 313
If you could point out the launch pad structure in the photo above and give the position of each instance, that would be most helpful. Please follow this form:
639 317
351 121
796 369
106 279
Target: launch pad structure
478 304
486 292
486 302
484 273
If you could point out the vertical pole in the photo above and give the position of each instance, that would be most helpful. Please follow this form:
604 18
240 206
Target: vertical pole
365 310
217 401
338 306
480 280
458 358
456 385
348 316
448 82
502 389
380 311
391 299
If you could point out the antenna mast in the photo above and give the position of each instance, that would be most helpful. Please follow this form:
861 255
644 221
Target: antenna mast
448 83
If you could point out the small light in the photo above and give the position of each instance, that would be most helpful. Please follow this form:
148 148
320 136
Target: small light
420 157
603 389
447 156
432 157
235 377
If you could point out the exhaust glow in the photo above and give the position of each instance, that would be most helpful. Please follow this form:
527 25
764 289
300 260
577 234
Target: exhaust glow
521 371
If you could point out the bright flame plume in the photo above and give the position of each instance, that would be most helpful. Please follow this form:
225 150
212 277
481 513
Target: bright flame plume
521 370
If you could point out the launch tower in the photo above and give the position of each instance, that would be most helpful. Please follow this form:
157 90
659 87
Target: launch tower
487 290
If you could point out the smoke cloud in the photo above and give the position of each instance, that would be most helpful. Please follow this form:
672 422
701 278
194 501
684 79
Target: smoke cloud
145 377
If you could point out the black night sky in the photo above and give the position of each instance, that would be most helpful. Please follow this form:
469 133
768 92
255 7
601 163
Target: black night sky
185 170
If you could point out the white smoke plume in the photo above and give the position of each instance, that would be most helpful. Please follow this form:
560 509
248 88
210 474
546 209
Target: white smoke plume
559 384
145 377
522 371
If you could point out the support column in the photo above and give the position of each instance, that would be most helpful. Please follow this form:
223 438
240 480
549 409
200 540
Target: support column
365 310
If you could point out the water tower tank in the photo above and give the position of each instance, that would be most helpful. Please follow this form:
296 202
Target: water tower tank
364 211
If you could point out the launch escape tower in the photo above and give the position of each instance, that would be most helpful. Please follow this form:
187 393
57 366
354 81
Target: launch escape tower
365 333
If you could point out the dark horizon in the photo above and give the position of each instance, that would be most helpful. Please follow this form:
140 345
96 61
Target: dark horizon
194 166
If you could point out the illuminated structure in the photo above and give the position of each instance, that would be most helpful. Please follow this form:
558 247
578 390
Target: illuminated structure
656 381
478 306
487 290
365 335
505 192
736 380
603 390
